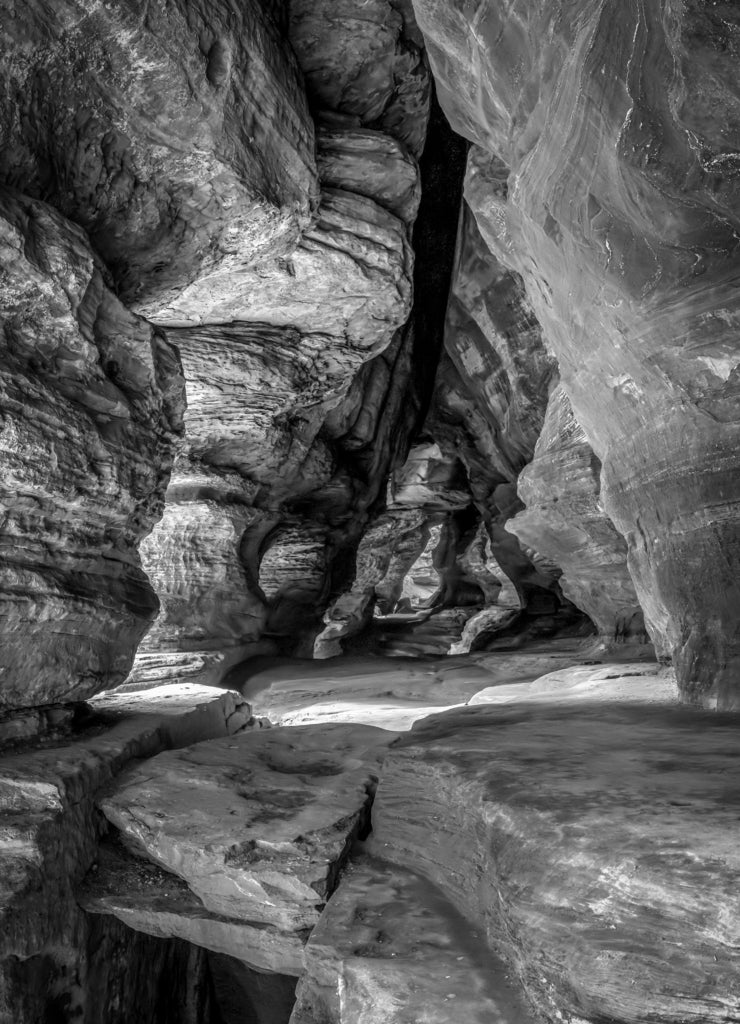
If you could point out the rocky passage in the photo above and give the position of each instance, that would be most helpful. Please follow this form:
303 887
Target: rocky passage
553 847
369 511
604 173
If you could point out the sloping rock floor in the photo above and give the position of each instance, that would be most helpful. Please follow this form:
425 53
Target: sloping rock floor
493 839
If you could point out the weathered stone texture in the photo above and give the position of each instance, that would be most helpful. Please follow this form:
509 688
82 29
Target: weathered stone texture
594 844
364 64
565 520
92 404
276 813
177 134
617 130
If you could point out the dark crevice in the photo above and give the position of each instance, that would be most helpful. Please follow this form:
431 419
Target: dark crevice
442 168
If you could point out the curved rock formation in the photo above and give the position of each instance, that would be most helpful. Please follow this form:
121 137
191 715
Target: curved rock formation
92 403
617 128
565 521
178 136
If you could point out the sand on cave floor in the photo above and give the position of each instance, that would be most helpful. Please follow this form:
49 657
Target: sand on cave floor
393 693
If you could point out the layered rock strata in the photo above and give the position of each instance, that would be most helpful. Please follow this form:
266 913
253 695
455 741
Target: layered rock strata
53 958
296 375
600 839
276 814
617 130
92 404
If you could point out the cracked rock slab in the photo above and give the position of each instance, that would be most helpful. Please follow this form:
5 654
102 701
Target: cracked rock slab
596 844
390 949
257 825
158 903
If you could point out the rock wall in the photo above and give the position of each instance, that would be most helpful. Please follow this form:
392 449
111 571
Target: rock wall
177 135
488 408
296 376
91 403
565 520
616 130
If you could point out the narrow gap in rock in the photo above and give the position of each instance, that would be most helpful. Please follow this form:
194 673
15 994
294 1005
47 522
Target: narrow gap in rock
247 996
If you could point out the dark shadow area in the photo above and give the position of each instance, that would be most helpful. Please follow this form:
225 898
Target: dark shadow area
247 996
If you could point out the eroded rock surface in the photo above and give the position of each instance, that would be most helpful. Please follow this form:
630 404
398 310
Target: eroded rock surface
565 520
276 813
155 902
92 404
50 829
390 948
619 208
178 136
602 844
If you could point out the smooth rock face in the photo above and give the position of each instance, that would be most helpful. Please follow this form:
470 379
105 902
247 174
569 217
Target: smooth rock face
389 949
92 403
596 846
629 682
622 217
372 164
275 814
565 520
177 135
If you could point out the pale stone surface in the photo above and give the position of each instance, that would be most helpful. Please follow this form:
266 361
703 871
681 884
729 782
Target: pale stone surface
595 844
390 949
92 400
600 183
391 693
631 682
178 135
349 278
257 825
52 955
48 823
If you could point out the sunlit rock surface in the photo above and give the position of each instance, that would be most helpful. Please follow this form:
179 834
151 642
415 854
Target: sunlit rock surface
92 403
390 692
617 128
595 846
275 816
635 682
565 520
178 136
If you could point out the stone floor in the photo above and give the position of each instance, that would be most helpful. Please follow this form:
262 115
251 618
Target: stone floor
538 835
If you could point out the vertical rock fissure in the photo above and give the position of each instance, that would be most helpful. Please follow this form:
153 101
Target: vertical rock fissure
442 167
